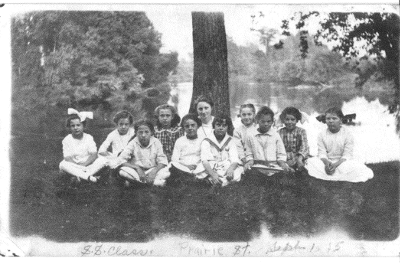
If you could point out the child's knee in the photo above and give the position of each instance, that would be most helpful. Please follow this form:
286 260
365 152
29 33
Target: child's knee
159 182
123 173
237 174
62 165
102 161
163 174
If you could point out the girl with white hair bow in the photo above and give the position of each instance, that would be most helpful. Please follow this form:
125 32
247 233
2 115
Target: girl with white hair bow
79 149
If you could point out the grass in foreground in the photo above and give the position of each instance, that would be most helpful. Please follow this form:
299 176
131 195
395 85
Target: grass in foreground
45 204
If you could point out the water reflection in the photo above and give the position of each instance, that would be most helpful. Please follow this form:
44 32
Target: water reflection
375 133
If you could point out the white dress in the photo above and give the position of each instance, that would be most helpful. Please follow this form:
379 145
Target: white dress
186 152
206 129
240 135
80 150
118 143
334 146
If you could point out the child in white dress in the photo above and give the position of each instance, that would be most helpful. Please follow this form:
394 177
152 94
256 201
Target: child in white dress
247 113
185 159
79 149
118 139
335 153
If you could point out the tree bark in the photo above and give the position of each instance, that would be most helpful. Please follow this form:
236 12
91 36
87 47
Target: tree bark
210 72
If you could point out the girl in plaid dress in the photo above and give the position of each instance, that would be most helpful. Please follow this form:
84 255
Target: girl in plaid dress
294 138
167 128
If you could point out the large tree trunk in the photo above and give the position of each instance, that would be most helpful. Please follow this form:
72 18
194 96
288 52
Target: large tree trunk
210 72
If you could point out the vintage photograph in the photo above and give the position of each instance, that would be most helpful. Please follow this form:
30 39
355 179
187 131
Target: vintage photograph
201 130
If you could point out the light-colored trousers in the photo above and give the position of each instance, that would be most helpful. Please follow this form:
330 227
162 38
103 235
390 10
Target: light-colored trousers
130 173
83 171
350 171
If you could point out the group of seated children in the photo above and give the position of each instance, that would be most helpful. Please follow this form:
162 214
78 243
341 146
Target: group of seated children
208 150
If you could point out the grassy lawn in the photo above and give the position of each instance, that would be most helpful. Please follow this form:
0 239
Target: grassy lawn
44 203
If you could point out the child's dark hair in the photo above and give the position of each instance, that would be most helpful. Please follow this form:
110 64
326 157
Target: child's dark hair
264 110
290 111
335 110
190 116
224 119
143 123
123 115
74 117
175 117
203 98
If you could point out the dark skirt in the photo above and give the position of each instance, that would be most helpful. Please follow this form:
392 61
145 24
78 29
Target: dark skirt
179 178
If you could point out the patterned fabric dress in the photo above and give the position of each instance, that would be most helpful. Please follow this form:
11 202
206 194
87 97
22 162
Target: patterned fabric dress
295 142
168 138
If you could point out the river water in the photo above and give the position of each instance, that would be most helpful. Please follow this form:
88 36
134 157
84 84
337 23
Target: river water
375 134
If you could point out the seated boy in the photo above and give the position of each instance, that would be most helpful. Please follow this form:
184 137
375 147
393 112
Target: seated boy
144 156
265 146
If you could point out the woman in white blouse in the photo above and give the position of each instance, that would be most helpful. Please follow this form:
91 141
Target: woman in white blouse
204 106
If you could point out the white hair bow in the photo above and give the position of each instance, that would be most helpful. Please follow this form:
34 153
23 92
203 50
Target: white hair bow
304 117
82 115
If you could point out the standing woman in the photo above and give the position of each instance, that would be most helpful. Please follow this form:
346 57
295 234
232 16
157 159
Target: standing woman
335 153
204 106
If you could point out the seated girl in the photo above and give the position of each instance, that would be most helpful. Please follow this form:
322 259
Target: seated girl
118 139
219 154
186 156
167 129
294 138
264 147
79 149
145 161
335 152
246 113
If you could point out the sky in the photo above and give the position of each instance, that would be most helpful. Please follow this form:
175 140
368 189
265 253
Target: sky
174 22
